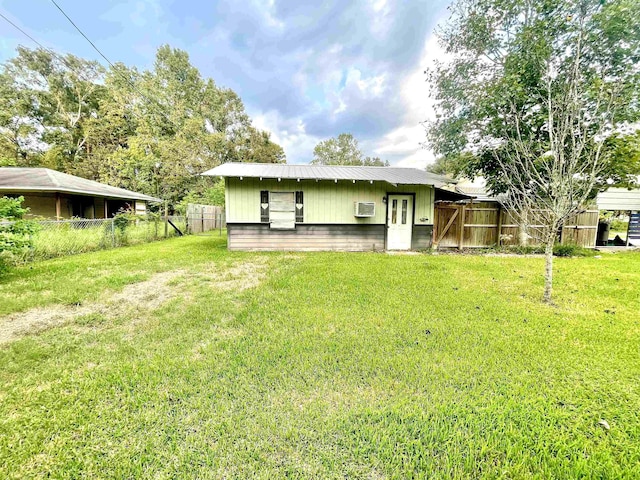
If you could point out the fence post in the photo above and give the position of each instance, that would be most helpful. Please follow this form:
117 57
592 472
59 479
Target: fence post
166 219
499 229
113 233
461 219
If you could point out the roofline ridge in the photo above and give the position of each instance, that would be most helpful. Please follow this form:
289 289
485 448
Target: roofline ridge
52 178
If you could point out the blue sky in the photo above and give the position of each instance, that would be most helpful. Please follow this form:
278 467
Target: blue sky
305 71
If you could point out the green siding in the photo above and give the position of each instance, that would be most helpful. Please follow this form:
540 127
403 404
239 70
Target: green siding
324 201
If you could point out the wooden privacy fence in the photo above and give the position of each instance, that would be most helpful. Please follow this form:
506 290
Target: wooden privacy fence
203 218
483 224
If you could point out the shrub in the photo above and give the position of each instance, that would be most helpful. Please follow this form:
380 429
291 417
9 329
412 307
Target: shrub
559 250
618 225
15 233
571 250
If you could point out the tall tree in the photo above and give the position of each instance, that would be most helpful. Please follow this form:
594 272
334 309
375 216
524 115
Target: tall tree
343 150
152 131
532 90
256 146
47 99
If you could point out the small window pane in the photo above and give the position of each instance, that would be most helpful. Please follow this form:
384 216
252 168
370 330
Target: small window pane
394 211
404 211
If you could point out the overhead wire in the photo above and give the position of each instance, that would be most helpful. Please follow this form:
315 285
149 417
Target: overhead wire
117 71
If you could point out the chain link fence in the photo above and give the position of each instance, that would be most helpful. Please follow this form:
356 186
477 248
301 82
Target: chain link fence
55 238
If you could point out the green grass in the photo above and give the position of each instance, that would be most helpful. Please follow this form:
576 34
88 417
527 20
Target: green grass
334 366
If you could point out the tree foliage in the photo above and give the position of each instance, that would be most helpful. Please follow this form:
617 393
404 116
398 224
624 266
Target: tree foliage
343 150
151 131
502 55
528 96
15 232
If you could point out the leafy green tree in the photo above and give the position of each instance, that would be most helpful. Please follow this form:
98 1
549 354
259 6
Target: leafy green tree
454 165
46 100
374 162
152 131
623 168
343 150
256 146
530 91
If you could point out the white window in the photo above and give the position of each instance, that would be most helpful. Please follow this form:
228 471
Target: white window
282 210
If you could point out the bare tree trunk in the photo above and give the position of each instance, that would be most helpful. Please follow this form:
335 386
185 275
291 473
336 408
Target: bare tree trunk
548 268
523 236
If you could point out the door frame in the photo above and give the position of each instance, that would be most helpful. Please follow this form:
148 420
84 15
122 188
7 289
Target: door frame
386 215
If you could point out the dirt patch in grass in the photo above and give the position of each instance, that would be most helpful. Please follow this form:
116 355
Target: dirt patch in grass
146 295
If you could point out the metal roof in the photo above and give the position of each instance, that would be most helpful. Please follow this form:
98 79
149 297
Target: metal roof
393 175
23 179
476 188
479 193
619 199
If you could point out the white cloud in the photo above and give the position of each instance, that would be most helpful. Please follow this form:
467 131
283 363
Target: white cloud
268 9
290 135
381 18
404 144
401 146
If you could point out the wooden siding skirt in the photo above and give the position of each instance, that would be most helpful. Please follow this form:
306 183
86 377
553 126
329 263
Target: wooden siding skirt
319 237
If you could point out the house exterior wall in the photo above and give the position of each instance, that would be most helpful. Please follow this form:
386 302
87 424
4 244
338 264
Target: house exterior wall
619 199
343 237
329 222
140 207
325 202
41 205
99 204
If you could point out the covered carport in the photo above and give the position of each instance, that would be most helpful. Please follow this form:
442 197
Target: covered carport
626 201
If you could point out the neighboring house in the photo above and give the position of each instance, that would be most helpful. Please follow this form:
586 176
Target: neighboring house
51 194
315 207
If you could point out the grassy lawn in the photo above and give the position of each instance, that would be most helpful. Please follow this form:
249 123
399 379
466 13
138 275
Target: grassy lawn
179 359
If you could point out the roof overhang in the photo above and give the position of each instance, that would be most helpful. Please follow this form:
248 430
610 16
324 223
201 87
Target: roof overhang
390 175
444 194
139 197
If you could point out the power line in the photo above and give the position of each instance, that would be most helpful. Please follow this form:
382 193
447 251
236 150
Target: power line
72 68
82 33
116 70
52 52
23 32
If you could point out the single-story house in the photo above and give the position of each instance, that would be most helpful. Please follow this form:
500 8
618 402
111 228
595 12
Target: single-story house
322 207
51 194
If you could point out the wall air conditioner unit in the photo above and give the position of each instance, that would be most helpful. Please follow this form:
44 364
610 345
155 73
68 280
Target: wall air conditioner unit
364 209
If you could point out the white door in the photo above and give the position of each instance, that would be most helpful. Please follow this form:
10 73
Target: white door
399 222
